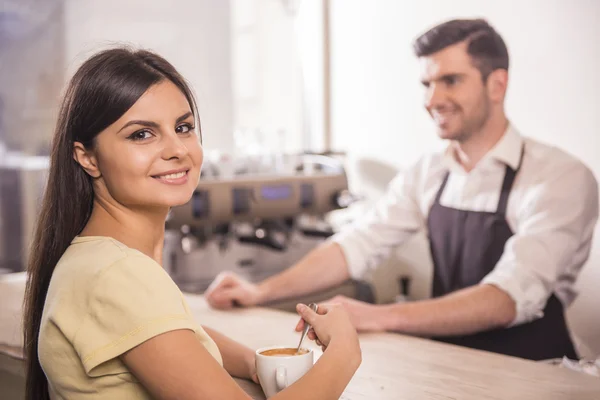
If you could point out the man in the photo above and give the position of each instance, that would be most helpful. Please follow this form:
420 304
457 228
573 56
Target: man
509 219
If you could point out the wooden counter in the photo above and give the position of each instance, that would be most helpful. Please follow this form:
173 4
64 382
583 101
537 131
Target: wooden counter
393 367
403 367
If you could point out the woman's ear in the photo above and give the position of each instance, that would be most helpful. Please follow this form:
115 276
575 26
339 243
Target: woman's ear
86 159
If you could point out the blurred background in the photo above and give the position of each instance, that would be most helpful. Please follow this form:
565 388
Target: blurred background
282 78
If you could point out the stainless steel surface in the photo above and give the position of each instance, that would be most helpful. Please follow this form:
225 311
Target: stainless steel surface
252 221
195 269
22 181
307 326
247 198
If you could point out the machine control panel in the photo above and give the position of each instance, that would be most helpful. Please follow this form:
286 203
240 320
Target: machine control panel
276 191
247 198
241 200
307 195
200 204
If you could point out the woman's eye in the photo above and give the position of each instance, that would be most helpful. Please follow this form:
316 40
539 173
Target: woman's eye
184 128
140 135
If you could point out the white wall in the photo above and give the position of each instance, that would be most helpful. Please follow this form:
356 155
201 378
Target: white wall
266 73
29 88
310 37
193 35
553 94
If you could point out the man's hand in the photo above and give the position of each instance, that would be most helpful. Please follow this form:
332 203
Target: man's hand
364 316
229 290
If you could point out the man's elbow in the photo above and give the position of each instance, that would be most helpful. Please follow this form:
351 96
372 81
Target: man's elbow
508 314
506 308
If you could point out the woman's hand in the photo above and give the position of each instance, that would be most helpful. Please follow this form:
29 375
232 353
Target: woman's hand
250 361
330 323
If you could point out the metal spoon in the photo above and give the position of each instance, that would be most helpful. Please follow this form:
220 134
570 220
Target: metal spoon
313 307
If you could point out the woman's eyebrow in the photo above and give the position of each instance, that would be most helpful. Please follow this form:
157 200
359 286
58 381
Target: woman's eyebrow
152 124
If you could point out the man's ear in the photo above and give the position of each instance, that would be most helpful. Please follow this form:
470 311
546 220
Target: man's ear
86 159
497 83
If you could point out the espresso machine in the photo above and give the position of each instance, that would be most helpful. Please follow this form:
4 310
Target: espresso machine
254 223
22 183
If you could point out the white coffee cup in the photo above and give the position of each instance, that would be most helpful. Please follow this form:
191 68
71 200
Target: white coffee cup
275 373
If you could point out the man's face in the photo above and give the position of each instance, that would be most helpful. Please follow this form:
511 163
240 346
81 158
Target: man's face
455 95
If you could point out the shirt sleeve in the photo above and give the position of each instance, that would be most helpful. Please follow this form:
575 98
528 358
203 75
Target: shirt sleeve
392 220
132 301
553 239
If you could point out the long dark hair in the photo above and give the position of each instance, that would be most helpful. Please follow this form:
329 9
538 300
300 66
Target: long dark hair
100 92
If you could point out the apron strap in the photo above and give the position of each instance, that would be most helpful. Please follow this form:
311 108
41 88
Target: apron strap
441 189
509 178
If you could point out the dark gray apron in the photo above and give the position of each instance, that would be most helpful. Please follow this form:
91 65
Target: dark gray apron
465 247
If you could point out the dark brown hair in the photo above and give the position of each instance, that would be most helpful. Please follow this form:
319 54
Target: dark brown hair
100 92
485 46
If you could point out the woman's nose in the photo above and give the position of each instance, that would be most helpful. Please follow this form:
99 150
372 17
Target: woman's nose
174 147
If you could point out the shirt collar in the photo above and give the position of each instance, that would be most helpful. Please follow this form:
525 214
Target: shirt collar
507 151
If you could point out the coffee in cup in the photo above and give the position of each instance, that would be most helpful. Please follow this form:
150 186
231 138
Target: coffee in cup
278 367
284 352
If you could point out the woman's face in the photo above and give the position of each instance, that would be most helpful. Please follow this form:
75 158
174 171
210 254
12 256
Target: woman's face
151 156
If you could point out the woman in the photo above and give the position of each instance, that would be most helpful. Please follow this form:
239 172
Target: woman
103 319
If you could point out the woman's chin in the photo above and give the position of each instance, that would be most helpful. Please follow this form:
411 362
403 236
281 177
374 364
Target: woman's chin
175 202
172 204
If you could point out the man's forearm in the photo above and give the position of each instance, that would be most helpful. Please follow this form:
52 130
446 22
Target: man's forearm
464 312
320 269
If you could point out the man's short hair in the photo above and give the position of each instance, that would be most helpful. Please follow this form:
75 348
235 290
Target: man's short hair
485 46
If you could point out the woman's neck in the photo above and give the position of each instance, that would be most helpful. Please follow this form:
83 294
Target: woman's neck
143 230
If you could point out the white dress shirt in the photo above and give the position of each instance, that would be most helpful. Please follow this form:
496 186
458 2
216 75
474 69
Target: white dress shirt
552 210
